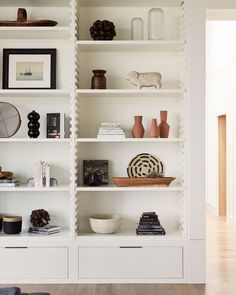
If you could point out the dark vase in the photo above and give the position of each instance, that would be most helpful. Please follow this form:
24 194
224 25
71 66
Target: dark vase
33 124
138 129
164 126
99 80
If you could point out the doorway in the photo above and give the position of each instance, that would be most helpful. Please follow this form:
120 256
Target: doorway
222 165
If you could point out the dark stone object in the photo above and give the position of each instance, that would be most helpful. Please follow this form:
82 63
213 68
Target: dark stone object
103 30
39 218
99 80
33 124
93 179
12 225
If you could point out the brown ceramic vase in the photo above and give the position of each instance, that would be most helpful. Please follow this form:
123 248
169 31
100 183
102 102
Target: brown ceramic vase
154 130
138 129
164 126
99 80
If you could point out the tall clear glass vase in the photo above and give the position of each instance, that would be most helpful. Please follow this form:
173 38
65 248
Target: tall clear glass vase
156 24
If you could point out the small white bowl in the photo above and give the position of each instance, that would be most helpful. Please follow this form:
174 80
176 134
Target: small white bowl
105 223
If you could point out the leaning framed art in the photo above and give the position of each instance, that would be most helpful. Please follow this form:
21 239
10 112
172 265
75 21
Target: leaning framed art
29 68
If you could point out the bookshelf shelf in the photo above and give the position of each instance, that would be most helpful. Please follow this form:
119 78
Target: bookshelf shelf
24 188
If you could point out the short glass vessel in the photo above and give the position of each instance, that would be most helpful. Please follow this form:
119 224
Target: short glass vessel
156 24
137 28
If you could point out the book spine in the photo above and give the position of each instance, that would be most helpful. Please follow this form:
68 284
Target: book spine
47 176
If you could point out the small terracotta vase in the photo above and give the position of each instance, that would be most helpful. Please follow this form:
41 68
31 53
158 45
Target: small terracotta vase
164 126
154 130
99 80
138 129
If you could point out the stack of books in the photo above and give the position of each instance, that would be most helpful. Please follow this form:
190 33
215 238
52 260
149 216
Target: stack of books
41 174
9 182
46 230
111 131
149 224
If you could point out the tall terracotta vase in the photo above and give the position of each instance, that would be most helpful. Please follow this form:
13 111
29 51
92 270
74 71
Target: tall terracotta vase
154 130
138 129
164 126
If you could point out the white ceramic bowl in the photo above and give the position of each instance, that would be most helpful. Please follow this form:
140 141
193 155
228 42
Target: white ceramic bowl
105 223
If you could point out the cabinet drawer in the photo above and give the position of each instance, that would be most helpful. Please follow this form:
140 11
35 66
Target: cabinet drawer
34 263
121 263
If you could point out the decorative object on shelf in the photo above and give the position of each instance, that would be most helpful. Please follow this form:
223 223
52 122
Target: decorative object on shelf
12 225
154 130
144 164
93 179
149 224
156 24
9 182
23 22
10 120
5 174
148 79
137 28
33 124
95 172
46 230
53 182
1 223
39 218
164 126
99 80
110 131
103 30
29 68
55 125
142 181
105 223
42 174
138 129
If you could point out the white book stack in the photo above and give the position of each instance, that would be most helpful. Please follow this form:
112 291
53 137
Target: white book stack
41 174
111 131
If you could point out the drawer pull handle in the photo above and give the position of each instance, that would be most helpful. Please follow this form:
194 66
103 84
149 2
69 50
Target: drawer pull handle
131 247
16 247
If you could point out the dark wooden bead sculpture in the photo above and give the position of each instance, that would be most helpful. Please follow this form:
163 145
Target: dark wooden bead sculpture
103 30
39 218
33 124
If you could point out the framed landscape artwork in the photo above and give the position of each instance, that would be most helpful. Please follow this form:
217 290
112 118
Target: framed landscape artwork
29 68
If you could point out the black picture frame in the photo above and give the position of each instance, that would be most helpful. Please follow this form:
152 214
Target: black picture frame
7 52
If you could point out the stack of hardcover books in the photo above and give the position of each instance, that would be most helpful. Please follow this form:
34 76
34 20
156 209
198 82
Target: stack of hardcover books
149 224
111 131
46 230
9 182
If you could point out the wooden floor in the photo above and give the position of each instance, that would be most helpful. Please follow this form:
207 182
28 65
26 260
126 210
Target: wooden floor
221 271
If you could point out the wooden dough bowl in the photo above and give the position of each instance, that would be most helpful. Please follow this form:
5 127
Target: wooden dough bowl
23 22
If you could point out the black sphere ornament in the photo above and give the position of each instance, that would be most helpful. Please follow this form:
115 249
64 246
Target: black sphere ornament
103 30
33 124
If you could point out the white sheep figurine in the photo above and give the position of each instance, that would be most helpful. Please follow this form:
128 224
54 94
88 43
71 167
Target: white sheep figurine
148 79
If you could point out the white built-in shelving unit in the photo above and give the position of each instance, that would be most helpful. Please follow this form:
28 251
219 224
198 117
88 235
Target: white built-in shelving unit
77 254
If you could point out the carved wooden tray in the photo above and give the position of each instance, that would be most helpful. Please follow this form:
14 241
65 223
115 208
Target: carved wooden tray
142 181
28 23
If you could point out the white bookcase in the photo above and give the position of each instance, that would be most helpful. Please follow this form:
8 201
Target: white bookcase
77 254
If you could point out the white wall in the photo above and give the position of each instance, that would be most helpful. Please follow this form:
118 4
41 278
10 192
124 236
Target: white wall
220 92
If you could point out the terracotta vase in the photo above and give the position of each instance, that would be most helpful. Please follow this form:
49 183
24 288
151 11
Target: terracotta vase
164 126
138 129
154 130
99 80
